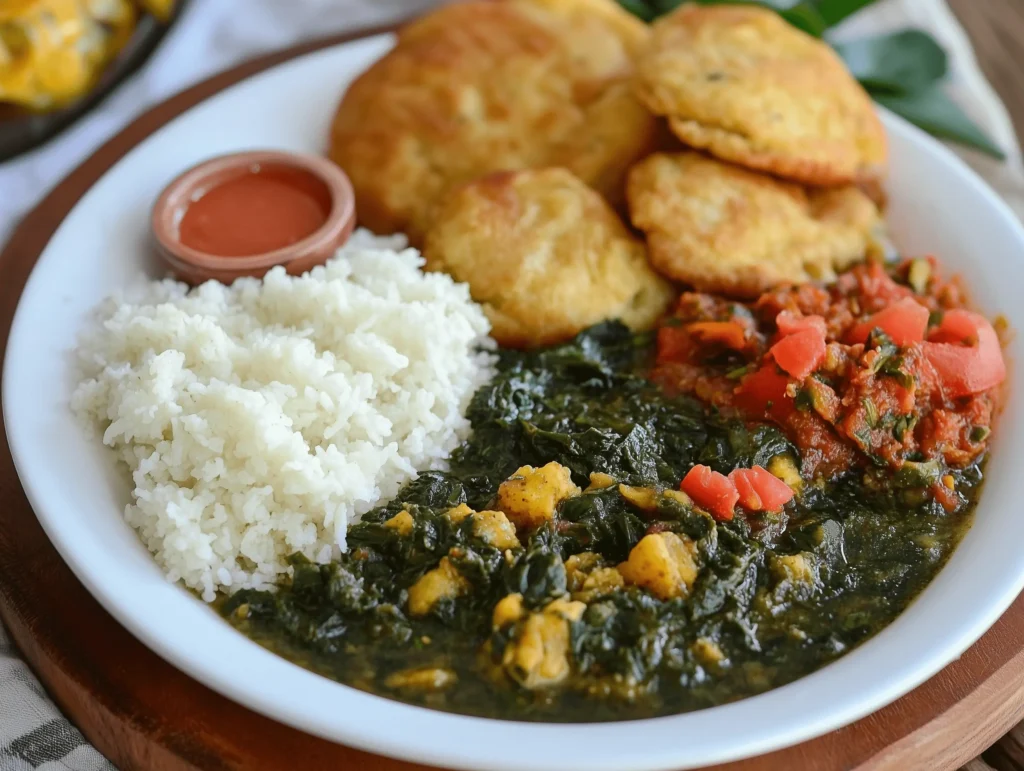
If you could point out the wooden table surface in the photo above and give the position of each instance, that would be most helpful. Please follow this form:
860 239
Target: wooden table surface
996 28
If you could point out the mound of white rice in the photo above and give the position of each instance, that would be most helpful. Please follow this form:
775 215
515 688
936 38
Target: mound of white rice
258 419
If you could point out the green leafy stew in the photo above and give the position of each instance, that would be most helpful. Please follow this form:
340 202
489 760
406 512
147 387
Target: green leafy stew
438 604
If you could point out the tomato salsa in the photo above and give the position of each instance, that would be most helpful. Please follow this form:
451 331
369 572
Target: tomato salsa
886 368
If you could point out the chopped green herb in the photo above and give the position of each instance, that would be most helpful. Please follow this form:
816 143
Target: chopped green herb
980 433
913 474
804 400
871 412
904 424
739 372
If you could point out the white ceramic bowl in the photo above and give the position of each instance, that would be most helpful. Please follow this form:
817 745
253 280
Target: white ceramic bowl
938 206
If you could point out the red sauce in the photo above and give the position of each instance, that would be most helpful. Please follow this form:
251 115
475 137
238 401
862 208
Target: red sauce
255 213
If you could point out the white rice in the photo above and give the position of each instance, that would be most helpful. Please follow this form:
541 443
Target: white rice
259 419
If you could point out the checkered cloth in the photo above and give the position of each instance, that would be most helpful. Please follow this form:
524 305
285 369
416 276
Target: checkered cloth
212 36
33 734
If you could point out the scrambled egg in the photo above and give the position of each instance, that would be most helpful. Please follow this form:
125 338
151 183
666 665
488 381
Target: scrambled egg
53 51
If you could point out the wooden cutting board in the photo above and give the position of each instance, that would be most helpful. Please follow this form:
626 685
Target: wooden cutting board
144 714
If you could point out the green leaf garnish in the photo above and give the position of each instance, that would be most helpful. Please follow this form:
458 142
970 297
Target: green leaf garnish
834 11
805 16
937 114
640 9
898 63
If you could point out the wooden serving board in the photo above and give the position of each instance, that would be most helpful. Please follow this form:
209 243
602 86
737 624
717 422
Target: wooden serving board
144 714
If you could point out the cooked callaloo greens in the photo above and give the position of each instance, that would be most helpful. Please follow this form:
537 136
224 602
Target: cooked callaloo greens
557 572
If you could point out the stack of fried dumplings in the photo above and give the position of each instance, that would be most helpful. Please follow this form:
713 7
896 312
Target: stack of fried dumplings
507 138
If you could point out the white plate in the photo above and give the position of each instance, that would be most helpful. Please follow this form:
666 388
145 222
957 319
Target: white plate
938 206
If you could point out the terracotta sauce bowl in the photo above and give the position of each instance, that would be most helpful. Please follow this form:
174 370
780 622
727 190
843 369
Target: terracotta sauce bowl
195 266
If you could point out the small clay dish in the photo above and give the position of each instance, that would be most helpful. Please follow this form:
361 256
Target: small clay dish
197 246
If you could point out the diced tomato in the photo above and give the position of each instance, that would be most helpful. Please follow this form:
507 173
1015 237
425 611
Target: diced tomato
801 353
946 496
760 391
673 344
904 322
711 491
878 288
965 369
725 333
957 326
791 323
760 490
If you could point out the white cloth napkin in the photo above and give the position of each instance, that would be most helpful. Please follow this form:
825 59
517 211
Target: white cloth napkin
215 34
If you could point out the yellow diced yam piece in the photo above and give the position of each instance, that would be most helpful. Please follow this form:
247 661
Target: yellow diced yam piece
459 513
586 576
531 495
508 610
441 583
599 481
784 467
570 610
496 529
679 496
793 567
663 563
402 522
421 679
644 498
603 580
708 651
578 567
539 654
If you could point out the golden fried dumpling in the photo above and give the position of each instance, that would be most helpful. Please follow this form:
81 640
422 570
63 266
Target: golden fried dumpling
545 256
492 85
747 87
722 228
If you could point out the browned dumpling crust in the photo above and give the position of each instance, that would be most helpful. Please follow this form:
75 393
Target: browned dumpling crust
747 87
725 229
493 85
545 256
